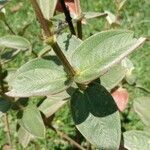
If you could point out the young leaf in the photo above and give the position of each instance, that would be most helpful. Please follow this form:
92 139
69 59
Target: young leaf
136 140
113 77
47 7
32 122
38 77
96 116
15 42
121 98
4 106
100 52
24 137
70 5
142 108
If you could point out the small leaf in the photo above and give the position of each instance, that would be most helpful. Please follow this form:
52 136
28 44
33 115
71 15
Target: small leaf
68 44
8 55
24 137
38 77
121 4
113 77
142 108
51 105
91 15
4 106
111 18
121 98
15 42
127 63
96 55
96 117
136 140
47 7
32 122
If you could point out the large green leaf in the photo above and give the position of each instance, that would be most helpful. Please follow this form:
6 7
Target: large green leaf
38 77
113 77
100 52
4 106
15 42
142 108
136 140
32 122
47 7
96 116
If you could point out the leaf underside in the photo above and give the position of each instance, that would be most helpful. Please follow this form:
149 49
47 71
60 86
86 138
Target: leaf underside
96 116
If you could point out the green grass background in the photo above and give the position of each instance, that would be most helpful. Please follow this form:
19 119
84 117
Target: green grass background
135 16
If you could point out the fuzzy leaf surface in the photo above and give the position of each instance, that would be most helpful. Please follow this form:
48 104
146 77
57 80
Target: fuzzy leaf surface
32 122
113 77
47 7
100 52
38 77
142 108
15 42
24 137
96 116
136 140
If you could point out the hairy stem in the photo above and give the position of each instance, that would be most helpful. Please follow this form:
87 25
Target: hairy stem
6 122
66 137
68 17
51 38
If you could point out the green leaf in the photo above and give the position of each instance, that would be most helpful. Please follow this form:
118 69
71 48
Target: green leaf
51 105
8 55
68 44
47 7
15 42
38 77
111 18
4 106
96 116
142 108
91 15
136 140
24 137
121 4
113 77
100 52
32 122
53 102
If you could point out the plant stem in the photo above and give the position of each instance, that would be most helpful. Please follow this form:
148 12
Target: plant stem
66 137
6 122
2 89
68 17
79 16
10 29
51 38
